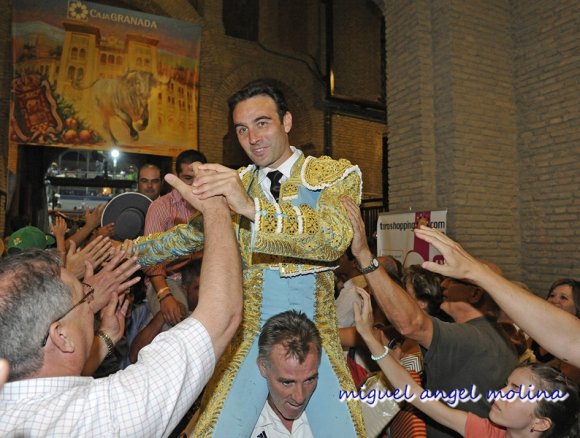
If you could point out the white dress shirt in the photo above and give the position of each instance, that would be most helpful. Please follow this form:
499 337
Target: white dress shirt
269 425
285 168
147 399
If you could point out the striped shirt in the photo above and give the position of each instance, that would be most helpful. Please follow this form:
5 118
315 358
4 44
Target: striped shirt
163 214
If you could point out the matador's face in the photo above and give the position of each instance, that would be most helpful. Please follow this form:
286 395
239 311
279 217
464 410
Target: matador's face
263 136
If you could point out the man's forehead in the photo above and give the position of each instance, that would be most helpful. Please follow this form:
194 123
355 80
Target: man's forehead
150 172
254 108
286 362
186 169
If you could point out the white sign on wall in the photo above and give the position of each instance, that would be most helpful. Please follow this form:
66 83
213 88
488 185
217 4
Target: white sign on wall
395 236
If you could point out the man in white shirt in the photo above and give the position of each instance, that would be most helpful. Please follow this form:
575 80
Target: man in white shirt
47 318
289 351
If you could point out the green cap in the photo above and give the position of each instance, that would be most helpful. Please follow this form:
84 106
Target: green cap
29 237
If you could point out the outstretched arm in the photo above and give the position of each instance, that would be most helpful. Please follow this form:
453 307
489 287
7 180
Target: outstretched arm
398 376
92 221
220 291
96 252
146 336
58 229
317 228
400 308
559 331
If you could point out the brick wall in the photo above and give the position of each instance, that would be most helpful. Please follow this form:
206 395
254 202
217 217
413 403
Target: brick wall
410 113
362 143
451 116
547 68
485 97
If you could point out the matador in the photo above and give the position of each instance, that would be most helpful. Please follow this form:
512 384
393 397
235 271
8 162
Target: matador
289 247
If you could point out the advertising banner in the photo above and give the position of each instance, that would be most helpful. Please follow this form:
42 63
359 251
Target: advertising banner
94 76
395 236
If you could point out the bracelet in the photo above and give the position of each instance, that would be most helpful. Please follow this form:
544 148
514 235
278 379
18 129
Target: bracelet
108 342
163 295
169 294
382 356
163 289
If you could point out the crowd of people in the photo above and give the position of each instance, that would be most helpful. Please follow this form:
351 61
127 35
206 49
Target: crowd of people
227 318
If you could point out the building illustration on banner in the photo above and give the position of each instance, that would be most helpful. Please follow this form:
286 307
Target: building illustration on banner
117 77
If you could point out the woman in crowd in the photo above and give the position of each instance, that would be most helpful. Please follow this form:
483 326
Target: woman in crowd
565 294
507 418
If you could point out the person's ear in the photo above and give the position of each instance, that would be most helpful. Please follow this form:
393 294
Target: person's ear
58 335
262 367
541 424
287 122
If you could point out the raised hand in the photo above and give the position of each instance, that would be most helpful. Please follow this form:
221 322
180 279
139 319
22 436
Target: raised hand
113 317
215 179
458 263
96 252
114 277
93 218
187 192
359 245
59 227
363 314
172 310
106 230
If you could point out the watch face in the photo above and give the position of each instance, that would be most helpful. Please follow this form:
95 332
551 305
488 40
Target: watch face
370 268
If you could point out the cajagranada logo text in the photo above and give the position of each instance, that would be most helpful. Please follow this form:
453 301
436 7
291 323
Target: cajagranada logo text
79 11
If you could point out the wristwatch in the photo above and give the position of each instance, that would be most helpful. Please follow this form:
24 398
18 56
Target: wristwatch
370 268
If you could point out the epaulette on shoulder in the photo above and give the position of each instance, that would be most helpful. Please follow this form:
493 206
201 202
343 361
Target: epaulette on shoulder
319 173
247 170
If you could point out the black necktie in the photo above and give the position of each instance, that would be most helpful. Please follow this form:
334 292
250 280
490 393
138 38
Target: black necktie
275 176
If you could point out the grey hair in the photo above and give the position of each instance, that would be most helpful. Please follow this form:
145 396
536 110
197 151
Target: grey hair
32 296
294 331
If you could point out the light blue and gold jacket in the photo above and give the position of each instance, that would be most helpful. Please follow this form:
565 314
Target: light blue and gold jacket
309 221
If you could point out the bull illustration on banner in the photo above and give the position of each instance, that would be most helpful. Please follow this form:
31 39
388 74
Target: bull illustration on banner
126 97
95 76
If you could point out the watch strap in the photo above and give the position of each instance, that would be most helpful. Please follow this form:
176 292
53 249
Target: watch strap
370 268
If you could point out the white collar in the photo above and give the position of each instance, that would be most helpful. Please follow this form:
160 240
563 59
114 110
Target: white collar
297 423
285 167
